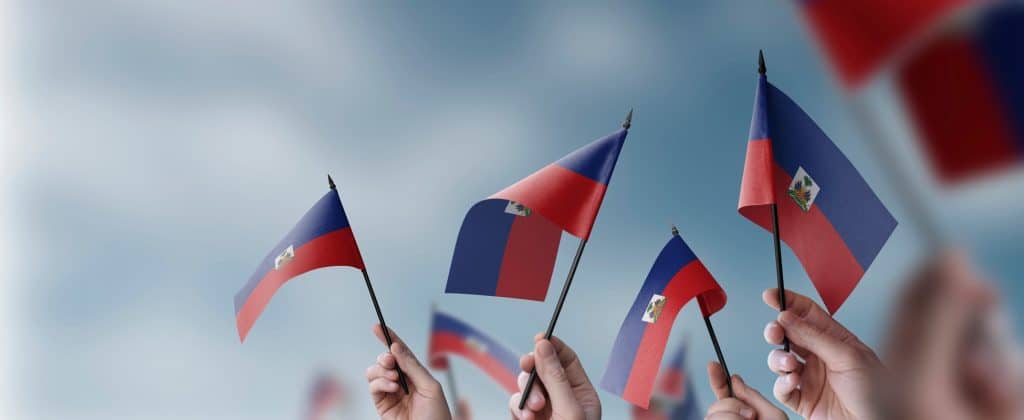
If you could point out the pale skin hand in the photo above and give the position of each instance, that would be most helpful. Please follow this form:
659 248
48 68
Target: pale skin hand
943 361
563 390
425 400
747 404
835 378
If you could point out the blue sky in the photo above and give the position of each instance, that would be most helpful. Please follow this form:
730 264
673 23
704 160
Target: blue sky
161 149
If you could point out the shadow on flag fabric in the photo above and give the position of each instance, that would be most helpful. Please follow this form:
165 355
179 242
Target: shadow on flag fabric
965 95
450 336
508 243
326 394
322 238
676 277
828 214
674 397
859 36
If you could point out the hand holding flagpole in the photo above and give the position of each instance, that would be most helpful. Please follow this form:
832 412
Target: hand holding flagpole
376 308
565 292
761 69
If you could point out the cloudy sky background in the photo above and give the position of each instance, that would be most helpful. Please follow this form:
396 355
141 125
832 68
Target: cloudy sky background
154 152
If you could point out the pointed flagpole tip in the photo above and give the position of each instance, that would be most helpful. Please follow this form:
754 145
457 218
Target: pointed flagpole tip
629 120
675 231
761 69
330 182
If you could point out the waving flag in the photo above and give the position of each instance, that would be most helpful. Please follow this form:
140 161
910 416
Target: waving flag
508 242
676 277
828 214
965 95
322 238
858 36
674 398
324 396
450 336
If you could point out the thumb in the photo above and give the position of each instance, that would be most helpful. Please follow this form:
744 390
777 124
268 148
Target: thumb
552 374
818 337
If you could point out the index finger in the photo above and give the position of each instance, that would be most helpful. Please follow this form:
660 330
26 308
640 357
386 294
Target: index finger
719 383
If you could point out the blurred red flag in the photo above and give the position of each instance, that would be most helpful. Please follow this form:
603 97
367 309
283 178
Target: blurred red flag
858 36
965 95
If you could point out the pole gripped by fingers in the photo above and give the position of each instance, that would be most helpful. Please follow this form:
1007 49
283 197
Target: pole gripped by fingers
763 70
384 328
554 318
714 339
565 292
718 352
376 307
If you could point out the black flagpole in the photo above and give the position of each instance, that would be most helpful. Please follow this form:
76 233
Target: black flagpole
565 292
380 315
775 229
714 340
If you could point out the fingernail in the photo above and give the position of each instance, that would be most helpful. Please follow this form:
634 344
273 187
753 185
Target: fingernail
747 413
534 399
791 379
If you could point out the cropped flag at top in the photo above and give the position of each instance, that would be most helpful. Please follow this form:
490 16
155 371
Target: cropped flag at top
450 336
676 277
508 243
674 397
322 238
965 95
858 37
827 213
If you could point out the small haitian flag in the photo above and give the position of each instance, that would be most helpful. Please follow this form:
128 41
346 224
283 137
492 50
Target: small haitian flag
508 243
828 214
676 277
449 335
322 238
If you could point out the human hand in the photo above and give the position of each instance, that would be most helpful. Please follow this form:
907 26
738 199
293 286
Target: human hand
835 378
425 399
563 391
746 404
948 356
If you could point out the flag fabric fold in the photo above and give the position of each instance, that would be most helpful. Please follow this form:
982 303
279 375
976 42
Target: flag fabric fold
858 37
676 277
828 215
322 238
451 336
508 243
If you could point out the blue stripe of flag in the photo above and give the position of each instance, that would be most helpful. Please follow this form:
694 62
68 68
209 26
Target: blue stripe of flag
480 249
845 198
597 159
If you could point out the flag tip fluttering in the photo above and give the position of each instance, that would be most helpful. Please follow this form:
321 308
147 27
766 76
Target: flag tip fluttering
761 69
629 120
330 182
675 231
